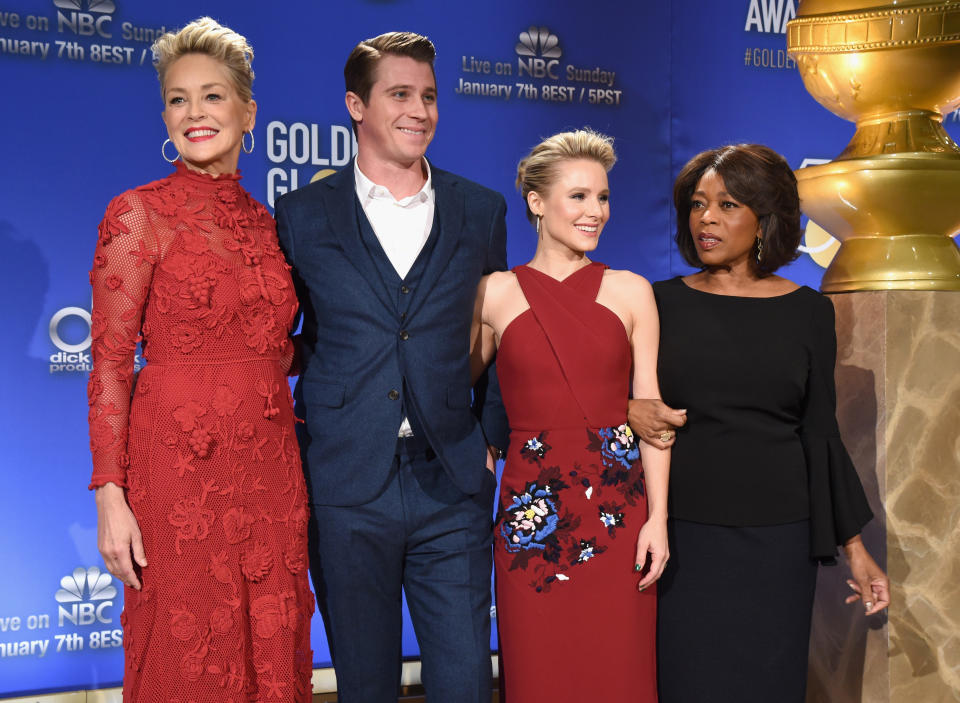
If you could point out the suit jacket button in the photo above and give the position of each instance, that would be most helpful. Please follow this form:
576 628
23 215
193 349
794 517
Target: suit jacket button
404 290
404 335
394 394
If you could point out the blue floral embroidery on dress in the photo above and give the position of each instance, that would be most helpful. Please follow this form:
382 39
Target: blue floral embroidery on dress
588 550
534 445
611 516
545 538
535 449
534 518
618 445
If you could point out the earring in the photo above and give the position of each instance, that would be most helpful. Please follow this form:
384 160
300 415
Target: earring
539 217
759 249
163 152
244 146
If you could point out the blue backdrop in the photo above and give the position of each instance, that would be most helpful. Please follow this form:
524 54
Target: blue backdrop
81 122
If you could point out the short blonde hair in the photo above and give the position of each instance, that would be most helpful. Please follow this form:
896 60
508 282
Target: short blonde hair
538 170
209 37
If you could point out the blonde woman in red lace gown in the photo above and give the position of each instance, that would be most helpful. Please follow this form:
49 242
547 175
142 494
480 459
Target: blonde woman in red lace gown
202 508
581 533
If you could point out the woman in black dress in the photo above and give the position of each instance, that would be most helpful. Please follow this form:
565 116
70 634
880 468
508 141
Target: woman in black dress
761 487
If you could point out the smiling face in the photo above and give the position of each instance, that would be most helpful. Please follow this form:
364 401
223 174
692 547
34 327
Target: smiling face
576 207
397 122
724 230
205 116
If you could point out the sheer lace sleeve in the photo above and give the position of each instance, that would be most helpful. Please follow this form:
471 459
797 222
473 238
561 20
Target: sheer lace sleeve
126 253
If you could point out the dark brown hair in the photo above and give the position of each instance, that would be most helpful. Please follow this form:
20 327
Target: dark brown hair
359 73
761 179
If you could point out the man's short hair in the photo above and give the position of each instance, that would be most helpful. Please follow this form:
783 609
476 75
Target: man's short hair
359 73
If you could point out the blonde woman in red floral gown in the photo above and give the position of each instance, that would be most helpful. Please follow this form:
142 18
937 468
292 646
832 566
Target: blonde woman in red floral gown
581 531
202 508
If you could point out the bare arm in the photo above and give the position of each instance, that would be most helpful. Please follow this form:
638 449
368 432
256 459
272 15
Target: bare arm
644 344
483 347
483 344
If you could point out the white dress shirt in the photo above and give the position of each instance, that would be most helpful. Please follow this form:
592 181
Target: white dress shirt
401 226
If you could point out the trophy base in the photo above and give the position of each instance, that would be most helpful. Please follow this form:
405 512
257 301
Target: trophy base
894 215
903 262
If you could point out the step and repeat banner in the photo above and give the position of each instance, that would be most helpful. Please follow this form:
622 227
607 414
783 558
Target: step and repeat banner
80 120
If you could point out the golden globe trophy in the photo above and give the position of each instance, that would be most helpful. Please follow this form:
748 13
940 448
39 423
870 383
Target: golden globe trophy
891 196
893 199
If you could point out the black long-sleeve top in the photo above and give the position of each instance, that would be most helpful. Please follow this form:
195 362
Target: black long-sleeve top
761 445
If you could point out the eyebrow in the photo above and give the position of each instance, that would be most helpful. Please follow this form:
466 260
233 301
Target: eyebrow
205 86
404 86
722 193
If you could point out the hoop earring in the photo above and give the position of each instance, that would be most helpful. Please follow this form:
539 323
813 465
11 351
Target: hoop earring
759 249
163 153
539 217
244 146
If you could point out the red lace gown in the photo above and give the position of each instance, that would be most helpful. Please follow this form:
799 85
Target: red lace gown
205 444
572 625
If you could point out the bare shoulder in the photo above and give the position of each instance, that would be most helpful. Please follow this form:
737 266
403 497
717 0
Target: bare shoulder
500 281
498 285
626 283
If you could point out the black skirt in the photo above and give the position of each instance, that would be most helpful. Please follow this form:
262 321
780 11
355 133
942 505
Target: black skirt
734 614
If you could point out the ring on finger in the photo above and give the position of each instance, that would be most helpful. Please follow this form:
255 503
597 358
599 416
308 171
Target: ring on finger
666 435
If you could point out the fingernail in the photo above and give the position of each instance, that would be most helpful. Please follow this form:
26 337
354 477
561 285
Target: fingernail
637 568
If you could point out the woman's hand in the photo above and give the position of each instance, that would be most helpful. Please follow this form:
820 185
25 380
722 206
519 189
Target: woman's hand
655 422
118 535
652 545
869 583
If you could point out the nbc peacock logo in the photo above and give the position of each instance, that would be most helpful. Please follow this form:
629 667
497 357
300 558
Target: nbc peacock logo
538 52
538 41
100 6
85 17
84 597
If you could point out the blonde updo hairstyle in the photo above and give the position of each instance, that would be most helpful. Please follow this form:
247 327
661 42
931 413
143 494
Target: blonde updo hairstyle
538 171
209 37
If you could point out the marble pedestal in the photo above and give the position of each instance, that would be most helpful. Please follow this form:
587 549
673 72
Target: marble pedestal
898 386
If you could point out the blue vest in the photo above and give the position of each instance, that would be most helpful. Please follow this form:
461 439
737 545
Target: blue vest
398 291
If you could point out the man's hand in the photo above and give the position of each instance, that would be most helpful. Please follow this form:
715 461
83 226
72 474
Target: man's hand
492 455
655 422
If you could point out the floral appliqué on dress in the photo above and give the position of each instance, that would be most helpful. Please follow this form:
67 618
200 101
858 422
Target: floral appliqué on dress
546 539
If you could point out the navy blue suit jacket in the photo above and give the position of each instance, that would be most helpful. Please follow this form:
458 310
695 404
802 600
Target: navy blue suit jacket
356 353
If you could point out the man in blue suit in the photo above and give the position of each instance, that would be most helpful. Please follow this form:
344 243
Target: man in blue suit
387 256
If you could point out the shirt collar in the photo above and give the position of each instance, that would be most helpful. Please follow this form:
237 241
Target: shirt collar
367 190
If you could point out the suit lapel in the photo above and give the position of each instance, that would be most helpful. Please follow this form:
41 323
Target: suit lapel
341 210
450 211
